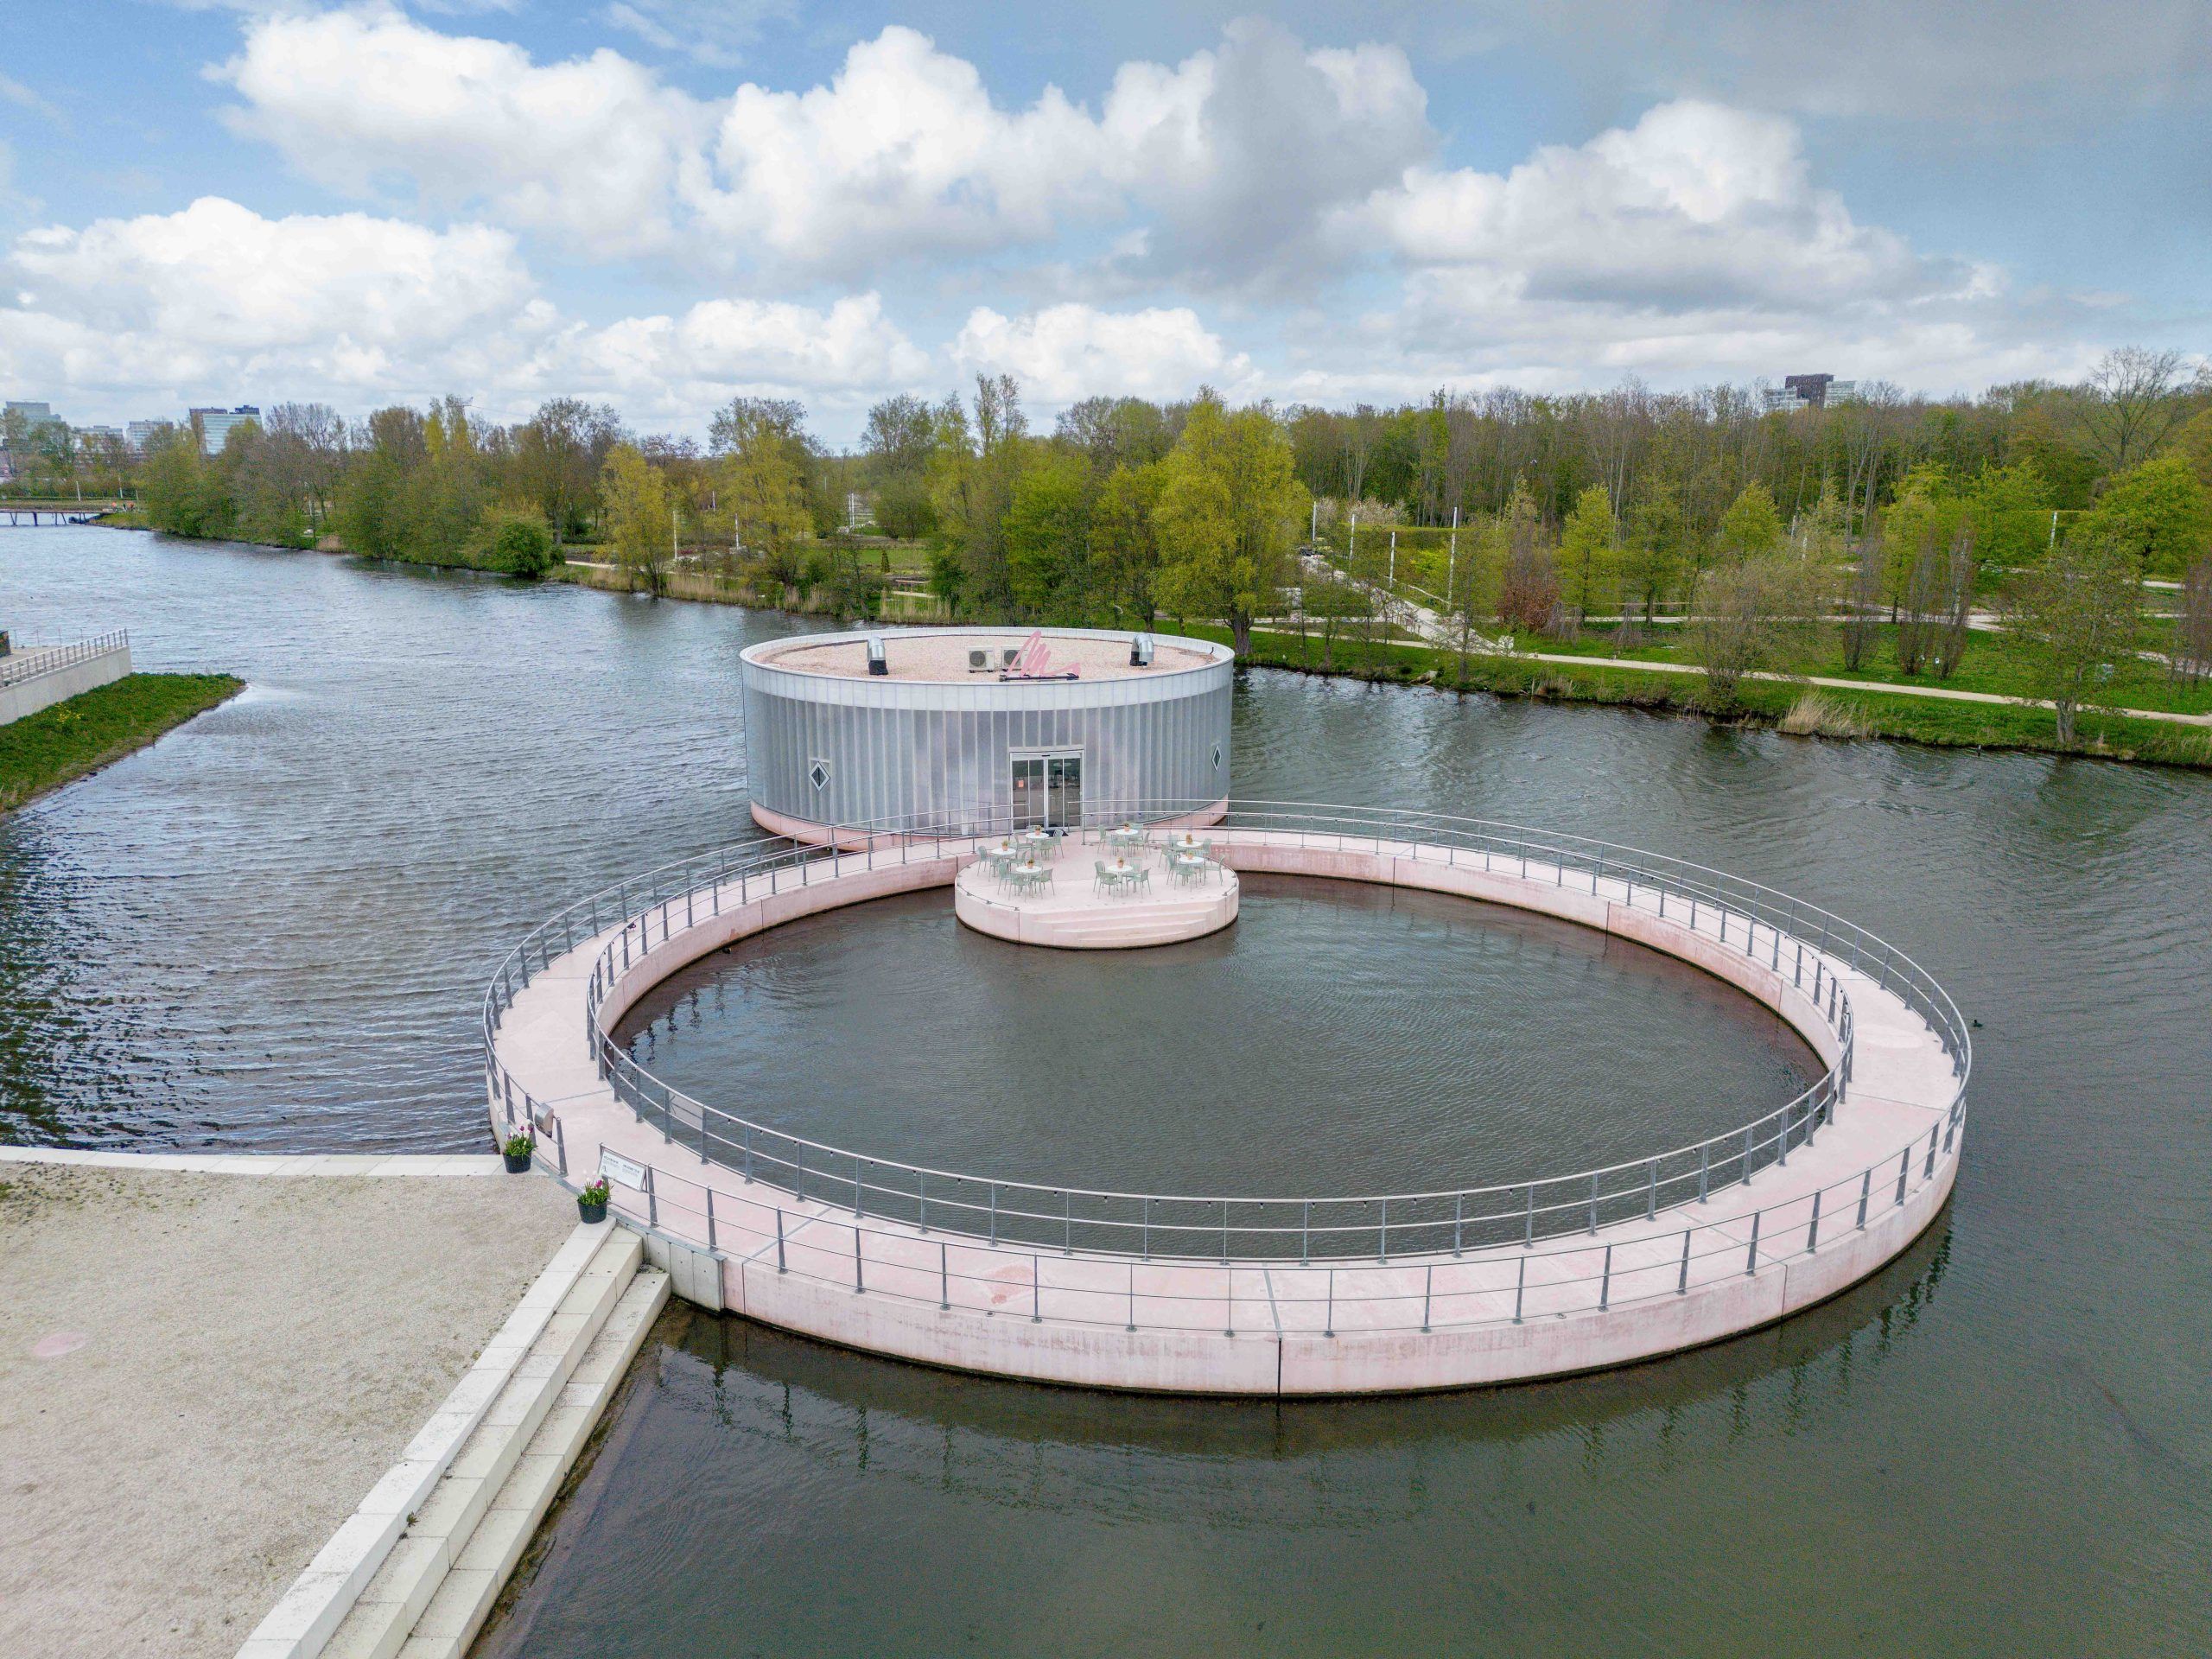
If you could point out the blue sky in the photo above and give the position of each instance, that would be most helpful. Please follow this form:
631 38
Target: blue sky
662 203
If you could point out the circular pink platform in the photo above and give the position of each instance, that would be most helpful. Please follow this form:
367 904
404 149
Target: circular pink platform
1075 911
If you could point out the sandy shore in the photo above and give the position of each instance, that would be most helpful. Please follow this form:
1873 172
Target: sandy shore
201 1375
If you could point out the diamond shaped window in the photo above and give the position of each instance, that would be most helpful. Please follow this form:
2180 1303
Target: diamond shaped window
818 775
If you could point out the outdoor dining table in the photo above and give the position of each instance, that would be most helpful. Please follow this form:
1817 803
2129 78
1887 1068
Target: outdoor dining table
1129 836
1031 875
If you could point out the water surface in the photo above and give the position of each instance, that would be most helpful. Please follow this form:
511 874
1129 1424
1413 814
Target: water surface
272 928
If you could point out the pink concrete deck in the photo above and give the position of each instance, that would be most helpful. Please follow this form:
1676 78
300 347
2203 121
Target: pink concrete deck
1792 1235
1072 913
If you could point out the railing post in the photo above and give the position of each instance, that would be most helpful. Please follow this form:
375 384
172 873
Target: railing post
1036 1292
944 1281
1747 1155
1752 1256
652 1202
1865 1191
1682 1278
1704 1168
994 1214
1520 1285
1593 1202
922 1189
1132 1298
1428 1285
1528 1238
1812 1232
857 1199
1383 1253
1605 1282
1305 1228
780 1265
1651 1191
1458 1211
1329 1318
858 1285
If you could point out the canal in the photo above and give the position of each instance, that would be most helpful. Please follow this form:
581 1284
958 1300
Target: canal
271 929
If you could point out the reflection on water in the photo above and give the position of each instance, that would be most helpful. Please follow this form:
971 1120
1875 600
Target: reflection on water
863 1507
1338 1038
272 927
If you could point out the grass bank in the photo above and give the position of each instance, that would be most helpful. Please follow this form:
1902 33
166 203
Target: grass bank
1792 708
41 753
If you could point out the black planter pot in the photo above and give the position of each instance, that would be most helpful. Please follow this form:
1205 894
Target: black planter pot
518 1162
591 1214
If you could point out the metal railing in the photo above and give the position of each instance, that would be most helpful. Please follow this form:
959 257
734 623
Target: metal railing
1014 1281
1782 934
29 662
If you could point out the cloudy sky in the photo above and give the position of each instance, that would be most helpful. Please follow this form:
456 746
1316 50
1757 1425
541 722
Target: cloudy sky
662 202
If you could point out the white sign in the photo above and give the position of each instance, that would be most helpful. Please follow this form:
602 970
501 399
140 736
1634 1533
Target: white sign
619 1170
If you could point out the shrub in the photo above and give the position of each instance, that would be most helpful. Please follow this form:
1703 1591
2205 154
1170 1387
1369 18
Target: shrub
520 544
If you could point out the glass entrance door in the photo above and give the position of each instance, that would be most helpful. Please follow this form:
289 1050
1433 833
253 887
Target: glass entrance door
1028 790
1047 789
1063 790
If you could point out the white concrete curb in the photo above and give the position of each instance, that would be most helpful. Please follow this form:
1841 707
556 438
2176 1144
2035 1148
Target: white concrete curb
352 1163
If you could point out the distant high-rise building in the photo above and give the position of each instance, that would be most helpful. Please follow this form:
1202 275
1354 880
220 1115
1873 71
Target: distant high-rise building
36 414
138 434
216 424
1809 392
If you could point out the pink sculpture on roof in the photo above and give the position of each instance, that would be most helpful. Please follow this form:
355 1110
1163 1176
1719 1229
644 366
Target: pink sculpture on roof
1034 661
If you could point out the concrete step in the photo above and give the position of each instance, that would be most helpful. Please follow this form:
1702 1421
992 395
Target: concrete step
436 1534
464 1599
309 1614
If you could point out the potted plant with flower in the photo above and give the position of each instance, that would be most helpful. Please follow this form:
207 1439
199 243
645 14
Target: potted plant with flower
591 1202
518 1150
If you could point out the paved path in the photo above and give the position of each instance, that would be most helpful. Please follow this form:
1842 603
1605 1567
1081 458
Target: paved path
1686 1273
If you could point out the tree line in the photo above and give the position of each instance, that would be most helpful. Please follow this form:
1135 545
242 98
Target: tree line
1894 517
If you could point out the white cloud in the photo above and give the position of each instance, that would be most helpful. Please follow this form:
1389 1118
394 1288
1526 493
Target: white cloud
217 301
1228 157
902 152
1242 150
594 150
1068 352
1695 206
673 369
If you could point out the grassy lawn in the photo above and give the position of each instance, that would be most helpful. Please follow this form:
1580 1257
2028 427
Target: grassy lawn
41 752
1825 713
1995 662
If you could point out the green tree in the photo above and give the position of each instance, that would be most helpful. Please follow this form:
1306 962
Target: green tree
640 529
2159 512
1048 533
1230 510
2080 614
1586 550
1751 525
1756 615
1651 552
1124 540
761 487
